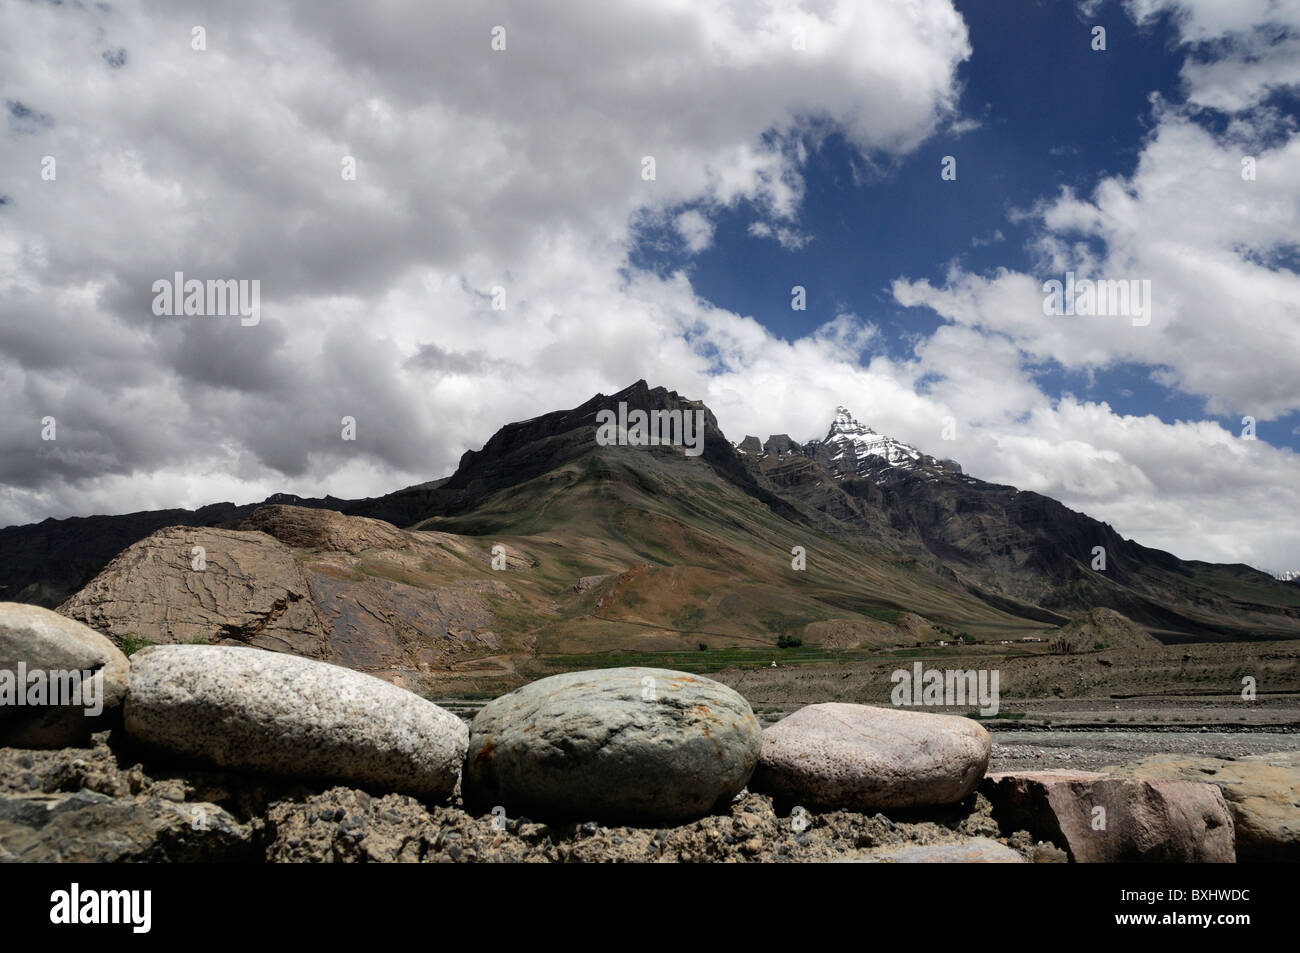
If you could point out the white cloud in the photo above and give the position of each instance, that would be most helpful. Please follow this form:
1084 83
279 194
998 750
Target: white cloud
477 171
1255 47
695 229
523 170
1225 323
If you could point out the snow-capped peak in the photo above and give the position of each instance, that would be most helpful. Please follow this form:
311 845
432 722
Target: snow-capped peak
848 435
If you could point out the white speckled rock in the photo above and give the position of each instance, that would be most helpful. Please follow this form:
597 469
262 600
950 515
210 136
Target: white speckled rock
248 709
46 641
864 758
608 745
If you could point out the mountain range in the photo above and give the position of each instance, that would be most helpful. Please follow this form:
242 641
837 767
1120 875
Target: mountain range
547 543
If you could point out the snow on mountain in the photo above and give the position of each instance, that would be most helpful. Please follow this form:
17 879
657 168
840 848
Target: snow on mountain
850 440
851 448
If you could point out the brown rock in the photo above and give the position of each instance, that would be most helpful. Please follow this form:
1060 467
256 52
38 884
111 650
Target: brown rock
1101 819
325 530
250 591
376 625
356 592
1262 792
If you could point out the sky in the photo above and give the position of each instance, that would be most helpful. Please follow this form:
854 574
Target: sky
919 169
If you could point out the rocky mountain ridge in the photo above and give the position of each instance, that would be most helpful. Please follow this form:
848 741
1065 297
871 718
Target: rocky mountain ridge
692 546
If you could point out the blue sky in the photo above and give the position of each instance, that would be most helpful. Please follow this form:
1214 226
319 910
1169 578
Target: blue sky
1051 113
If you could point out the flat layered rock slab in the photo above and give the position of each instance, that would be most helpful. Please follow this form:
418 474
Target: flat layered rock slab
266 712
35 640
1096 818
865 758
630 745
978 850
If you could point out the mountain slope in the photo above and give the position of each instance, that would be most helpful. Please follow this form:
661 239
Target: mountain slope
1027 547
687 548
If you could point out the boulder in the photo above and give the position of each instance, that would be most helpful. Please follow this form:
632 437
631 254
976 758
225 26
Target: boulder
74 663
636 745
251 710
1101 819
246 587
863 758
1262 792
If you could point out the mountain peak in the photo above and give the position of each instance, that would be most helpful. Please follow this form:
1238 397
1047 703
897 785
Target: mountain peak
846 424
851 442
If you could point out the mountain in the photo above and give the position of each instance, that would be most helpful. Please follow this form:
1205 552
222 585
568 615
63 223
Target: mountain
847 542
1008 544
852 448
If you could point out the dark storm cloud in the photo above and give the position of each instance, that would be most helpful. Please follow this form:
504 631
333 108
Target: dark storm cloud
25 120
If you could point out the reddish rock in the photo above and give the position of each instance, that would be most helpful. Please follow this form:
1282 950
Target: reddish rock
1100 819
1262 791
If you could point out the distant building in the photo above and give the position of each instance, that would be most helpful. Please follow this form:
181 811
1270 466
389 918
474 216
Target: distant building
1031 638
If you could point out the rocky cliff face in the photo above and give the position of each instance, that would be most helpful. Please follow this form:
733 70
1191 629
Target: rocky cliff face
353 591
184 584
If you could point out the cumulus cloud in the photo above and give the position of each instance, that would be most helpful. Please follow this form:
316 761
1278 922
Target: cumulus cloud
475 271
1216 242
696 230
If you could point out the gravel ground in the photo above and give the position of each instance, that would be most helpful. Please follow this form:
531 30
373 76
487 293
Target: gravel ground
1092 750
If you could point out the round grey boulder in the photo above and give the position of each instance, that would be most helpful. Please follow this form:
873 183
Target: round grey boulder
59 680
625 745
863 758
254 710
